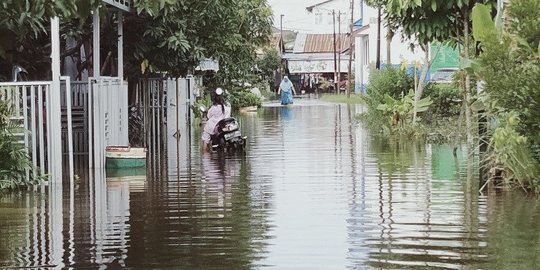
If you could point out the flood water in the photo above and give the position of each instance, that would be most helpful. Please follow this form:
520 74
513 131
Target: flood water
314 191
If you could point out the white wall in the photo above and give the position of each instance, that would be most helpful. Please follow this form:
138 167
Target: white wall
400 49
322 19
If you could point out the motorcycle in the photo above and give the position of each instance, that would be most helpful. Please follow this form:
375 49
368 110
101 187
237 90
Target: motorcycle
227 137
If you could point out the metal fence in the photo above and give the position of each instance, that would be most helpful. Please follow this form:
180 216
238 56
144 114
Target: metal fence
30 104
108 117
79 116
165 105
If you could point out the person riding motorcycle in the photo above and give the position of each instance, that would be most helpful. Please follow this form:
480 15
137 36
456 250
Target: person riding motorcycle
219 110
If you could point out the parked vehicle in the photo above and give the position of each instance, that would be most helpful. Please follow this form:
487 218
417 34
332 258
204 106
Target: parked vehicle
443 75
228 137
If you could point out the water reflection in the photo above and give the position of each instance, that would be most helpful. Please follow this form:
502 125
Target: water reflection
314 191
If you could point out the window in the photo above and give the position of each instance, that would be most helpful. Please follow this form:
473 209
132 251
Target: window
318 18
366 51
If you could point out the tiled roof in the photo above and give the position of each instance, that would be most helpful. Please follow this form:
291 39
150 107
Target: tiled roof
319 43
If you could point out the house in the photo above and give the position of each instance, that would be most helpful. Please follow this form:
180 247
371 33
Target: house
332 14
366 47
364 51
322 50
313 58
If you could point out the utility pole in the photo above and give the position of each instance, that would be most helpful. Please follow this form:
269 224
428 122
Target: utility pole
339 53
335 63
349 72
378 62
281 31
281 44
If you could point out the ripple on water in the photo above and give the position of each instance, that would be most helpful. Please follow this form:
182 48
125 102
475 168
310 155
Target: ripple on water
314 191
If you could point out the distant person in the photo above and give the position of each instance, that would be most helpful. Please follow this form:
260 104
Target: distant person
219 110
286 89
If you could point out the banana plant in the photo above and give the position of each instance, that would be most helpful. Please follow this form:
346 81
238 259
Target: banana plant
400 111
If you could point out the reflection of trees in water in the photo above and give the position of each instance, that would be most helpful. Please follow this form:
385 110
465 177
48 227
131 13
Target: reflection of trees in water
512 225
398 155
207 220
424 221
14 218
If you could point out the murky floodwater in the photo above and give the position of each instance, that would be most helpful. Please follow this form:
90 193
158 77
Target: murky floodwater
313 192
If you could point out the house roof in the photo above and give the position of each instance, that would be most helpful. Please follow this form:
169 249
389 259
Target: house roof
310 8
362 31
320 43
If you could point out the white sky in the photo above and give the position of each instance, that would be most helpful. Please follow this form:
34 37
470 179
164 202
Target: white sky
296 17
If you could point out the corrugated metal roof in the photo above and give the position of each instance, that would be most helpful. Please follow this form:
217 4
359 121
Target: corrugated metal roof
319 43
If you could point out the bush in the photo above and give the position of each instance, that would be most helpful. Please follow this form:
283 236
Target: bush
389 106
511 69
241 99
446 100
15 162
389 81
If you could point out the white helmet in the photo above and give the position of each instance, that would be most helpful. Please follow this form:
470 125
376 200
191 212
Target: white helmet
219 91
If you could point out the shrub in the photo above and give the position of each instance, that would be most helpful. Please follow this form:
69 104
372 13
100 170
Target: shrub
510 64
15 162
240 99
389 81
446 100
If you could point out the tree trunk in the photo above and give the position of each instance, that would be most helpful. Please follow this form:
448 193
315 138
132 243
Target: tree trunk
389 37
421 83
467 94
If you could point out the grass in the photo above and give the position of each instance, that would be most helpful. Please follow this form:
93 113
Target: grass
353 99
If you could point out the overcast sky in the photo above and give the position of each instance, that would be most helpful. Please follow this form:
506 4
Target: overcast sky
296 17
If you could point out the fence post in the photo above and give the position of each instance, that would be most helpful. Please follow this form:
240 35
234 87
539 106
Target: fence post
55 127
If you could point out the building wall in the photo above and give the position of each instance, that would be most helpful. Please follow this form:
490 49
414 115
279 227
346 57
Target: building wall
322 18
367 40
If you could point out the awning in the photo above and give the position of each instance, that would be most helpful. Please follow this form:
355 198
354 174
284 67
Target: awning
317 66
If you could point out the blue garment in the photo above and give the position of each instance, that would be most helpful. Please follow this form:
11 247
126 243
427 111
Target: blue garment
286 91
286 98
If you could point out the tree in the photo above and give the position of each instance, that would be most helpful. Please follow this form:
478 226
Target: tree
432 20
171 36
24 30
510 66
268 63
174 37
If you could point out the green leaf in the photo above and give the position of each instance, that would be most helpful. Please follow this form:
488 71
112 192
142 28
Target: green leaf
471 66
423 104
478 105
483 24
144 65
433 5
